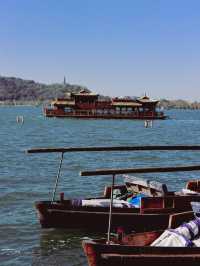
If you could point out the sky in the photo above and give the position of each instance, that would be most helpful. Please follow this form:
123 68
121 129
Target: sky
113 47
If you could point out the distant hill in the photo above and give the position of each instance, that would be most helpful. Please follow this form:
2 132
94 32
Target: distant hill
19 90
178 104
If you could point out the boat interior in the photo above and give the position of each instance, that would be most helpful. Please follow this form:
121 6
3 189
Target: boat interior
145 239
148 205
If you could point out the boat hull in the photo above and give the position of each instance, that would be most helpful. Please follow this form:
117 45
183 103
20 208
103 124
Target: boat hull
152 215
96 219
110 116
99 254
135 249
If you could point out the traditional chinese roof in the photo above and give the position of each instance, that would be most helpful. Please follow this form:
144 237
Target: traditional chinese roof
85 93
146 99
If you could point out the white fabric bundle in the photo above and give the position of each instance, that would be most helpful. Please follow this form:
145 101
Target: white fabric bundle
179 237
106 203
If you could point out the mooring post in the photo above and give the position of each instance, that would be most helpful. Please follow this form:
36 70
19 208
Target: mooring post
20 119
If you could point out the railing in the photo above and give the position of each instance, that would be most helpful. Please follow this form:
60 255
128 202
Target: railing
89 110
86 106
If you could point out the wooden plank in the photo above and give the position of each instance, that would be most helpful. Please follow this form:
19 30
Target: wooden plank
118 148
152 202
140 170
177 219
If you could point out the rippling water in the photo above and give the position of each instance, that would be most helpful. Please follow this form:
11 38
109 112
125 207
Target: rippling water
27 178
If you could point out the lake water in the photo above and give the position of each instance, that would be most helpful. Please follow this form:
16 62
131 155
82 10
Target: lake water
26 178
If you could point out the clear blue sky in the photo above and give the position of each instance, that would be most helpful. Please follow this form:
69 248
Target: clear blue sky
114 47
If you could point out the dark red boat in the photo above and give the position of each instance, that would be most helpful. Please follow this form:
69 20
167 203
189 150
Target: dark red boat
87 105
135 249
93 213
153 213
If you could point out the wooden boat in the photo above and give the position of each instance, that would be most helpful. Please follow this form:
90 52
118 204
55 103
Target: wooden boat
62 214
85 105
153 213
135 249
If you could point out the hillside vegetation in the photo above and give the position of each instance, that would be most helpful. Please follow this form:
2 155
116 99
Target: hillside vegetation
178 104
25 91
19 91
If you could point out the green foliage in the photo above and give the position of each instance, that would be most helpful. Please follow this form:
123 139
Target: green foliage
19 90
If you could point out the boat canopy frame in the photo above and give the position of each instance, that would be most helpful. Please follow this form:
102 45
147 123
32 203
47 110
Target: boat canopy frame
114 172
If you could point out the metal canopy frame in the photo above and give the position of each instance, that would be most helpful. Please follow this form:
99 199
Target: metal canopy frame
115 172
118 148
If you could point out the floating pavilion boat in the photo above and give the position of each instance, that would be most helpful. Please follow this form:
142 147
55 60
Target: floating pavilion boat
155 248
88 105
153 212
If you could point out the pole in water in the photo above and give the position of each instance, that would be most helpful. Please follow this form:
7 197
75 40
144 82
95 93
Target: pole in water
20 119
148 123
110 212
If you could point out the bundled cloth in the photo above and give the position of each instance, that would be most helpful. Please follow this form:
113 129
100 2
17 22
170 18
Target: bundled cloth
106 203
186 235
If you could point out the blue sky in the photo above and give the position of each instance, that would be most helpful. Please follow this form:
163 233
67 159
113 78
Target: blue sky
114 47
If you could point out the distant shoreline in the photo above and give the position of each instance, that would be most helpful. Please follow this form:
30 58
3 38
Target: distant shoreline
19 92
6 104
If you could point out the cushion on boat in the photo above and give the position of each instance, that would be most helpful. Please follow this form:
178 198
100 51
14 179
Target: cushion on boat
106 203
171 238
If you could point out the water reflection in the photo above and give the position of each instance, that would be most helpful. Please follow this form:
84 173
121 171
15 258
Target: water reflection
61 247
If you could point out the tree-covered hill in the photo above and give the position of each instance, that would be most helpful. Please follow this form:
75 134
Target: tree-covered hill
178 104
19 90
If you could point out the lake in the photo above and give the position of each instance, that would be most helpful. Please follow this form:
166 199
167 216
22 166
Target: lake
26 178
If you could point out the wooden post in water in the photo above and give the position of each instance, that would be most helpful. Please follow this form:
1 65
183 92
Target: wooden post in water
20 119
148 123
